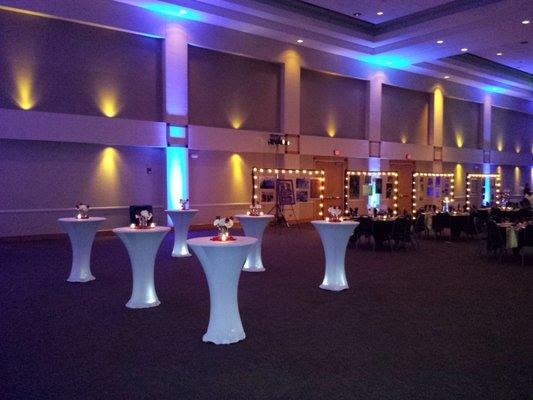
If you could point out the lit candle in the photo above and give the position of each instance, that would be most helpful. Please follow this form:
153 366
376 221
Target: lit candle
78 216
132 226
327 219
152 225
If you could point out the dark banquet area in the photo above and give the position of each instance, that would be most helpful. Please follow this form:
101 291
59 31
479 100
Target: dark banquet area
266 199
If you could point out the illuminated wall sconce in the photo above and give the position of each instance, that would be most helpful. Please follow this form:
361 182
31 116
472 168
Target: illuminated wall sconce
374 149
378 174
311 173
448 197
437 153
107 101
25 95
487 197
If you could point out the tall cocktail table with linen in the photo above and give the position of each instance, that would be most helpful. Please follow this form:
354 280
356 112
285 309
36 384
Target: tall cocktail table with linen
81 233
142 245
181 220
254 226
222 263
334 236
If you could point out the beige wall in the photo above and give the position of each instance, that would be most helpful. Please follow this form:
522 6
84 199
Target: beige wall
512 131
462 124
47 179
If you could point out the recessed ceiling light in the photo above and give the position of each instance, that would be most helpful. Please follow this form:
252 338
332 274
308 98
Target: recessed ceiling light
381 13
183 12
357 14
440 41
447 77
525 22
499 54
300 41
464 49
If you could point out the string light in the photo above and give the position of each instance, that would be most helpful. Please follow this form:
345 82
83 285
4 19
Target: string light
372 173
469 176
432 174
256 171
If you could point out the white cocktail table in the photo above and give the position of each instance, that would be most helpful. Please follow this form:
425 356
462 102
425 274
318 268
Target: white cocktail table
254 226
222 263
334 236
81 233
142 245
180 220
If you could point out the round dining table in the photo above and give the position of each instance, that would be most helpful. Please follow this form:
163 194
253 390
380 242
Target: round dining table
334 236
254 226
81 232
181 220
142 246
222 263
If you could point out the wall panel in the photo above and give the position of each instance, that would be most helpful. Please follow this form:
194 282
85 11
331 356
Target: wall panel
229 91
512 131
462 124
404 115
332 105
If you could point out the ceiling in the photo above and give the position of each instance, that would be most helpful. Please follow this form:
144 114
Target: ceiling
391 9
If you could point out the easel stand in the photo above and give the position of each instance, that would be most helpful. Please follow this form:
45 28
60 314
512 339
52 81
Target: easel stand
279 216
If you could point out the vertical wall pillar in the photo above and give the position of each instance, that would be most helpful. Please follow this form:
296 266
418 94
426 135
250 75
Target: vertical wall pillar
487 129
175 108
290 103
373 119
437 128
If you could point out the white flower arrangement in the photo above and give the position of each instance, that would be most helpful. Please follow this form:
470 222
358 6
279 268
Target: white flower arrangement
144 216
335 213
255 210
184 204
223 225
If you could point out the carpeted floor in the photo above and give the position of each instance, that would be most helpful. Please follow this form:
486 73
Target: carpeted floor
437 323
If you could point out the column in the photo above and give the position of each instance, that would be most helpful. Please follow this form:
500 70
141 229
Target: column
437 128
175 106
373 119
487 128
290 104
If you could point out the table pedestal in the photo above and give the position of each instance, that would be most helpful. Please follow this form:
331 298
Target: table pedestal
181 220
142 245
254 227
222 264
335 236
81 233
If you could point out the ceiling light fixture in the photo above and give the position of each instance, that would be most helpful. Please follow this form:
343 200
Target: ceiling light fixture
499 54
389 63
440 41
357 14
300 41
447 77
183 12
464 49
525 22
381 13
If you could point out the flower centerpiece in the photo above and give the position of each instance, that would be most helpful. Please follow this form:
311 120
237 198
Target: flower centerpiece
255 210
223 225
184 204
144 216
335 213
83 211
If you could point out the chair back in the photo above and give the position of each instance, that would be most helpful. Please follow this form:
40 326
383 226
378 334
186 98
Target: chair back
365 225
528 236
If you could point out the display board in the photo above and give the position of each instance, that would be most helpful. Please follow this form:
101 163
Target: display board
432 189
482 190
382 185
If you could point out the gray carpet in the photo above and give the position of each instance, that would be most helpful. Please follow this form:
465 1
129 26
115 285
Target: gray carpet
436 323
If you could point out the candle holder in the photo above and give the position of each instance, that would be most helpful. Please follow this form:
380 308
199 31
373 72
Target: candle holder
83 211
223 225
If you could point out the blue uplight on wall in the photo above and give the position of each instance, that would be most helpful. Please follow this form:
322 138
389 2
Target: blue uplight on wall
494 89
178 132
486 184
172 11
386 61
177 176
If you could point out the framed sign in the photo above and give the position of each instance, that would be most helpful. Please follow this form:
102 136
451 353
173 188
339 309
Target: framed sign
285 192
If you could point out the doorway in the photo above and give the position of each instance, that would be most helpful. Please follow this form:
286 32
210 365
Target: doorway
334 170
405 171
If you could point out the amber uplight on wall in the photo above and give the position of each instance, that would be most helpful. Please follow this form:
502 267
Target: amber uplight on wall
25 95
107 100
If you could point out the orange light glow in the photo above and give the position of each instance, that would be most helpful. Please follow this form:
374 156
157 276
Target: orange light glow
25 95
107 101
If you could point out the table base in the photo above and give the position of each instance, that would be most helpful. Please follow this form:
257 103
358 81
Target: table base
333 288
133 304
253 269
81 278
179 255
233 337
